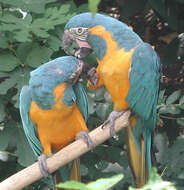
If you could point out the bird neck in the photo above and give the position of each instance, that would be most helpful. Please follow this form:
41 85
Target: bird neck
104 42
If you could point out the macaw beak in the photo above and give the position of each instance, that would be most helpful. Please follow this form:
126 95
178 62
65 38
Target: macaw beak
67 42
83 50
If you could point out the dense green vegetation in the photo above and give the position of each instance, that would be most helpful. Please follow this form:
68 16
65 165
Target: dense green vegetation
29 40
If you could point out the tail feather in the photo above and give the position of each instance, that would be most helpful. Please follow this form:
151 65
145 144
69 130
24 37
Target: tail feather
75 171
139 155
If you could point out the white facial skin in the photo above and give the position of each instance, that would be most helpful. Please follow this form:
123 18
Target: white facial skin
80 43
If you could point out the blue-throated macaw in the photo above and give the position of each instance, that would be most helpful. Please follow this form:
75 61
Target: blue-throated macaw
53 109
129 69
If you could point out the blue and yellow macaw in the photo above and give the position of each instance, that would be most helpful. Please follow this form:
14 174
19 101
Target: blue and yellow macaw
129 69
53 109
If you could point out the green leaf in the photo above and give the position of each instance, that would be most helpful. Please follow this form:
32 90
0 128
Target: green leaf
83 170
105 183
156 183
52 16
180 121
54 43
29 5
100 184
173 97
19 27
3 156
2 110
112 153
73 185
23 50
38 55
13 135
1 12
170 157
160 141
99 94
103 110
91 104
3 41
107 97
6 85
8 62
161 96
181 100
101 165
17 79
23 29
181 106
82 8
8 134
24 152
93 5
171 109
22 78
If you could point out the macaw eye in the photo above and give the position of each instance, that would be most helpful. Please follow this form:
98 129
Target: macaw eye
79 30
80 33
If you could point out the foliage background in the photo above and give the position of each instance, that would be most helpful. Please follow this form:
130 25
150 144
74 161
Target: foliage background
27 41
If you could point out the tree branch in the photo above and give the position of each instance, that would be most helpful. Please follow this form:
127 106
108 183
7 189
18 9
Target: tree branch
72 151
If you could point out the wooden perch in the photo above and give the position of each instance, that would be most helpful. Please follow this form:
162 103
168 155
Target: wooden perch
72 151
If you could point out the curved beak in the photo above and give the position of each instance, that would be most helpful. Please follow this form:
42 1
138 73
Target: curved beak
67 42
83 50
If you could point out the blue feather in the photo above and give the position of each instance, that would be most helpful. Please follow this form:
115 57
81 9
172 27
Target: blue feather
143 94
81 99
28 126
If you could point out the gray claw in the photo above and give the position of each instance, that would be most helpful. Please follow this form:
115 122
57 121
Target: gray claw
105 123
43 165
87 139
112 131
111 120
93 76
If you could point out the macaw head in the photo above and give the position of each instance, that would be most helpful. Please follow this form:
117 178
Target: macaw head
78 30
45 78
87 31
62 69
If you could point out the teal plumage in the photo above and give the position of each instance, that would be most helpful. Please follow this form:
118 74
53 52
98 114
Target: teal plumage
143 74
40 89
43 81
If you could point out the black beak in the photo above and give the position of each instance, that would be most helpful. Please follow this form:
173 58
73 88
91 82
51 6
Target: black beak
82 52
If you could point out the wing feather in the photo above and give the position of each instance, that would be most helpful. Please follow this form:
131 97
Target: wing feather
81 99
144 82
28 126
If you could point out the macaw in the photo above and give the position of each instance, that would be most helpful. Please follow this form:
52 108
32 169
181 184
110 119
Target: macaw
54 108
129 70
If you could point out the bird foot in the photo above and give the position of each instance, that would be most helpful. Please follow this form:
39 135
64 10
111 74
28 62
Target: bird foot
92 76
43 165
111 121
87 139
